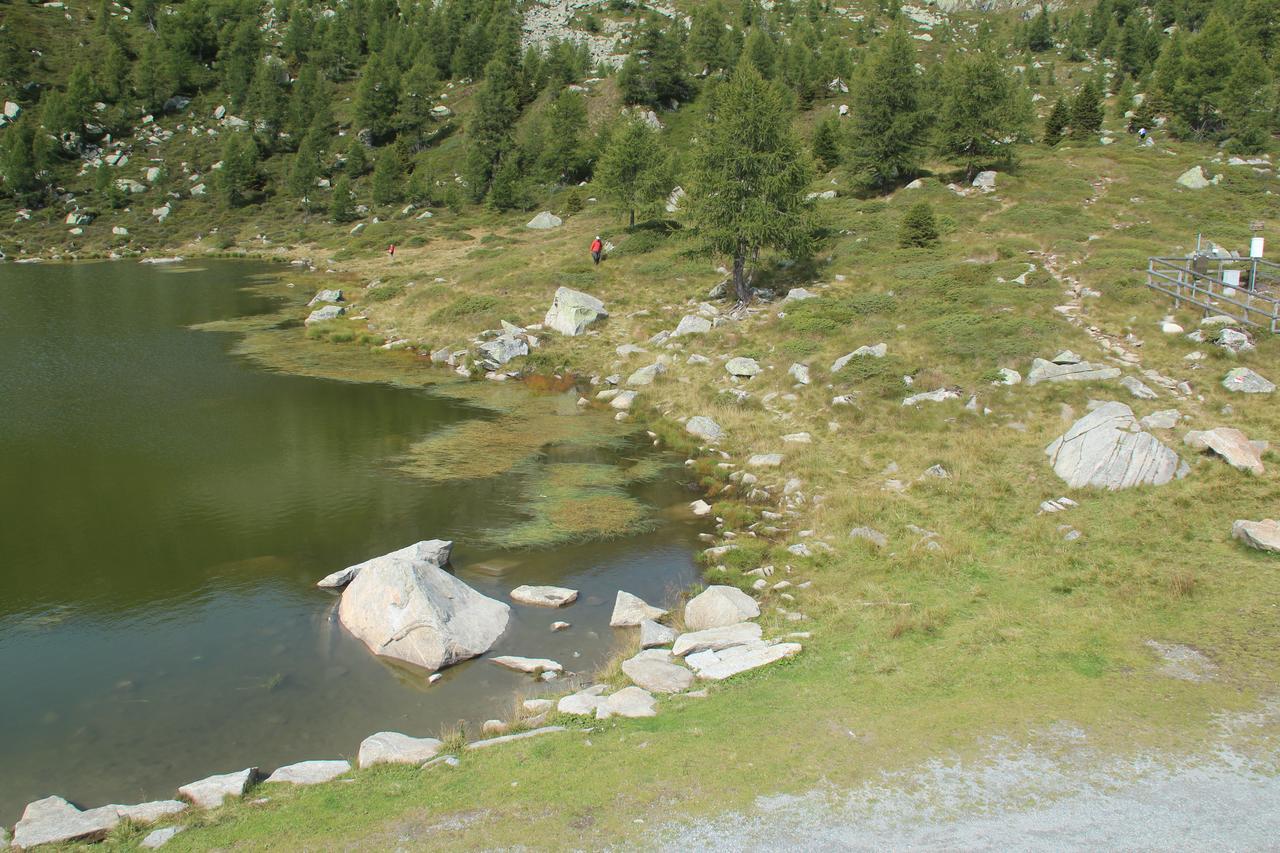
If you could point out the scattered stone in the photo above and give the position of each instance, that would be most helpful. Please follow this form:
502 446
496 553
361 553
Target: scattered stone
411 610
764 460
1231 444
700 426
1245 381
1163 419
939 396
396 748
582 703
742 367
798 438
1108 449
1059 505
647 375
1082 371
493 727
160 837
654 634
985 181
1009 376
714 639
719 665
700 508
1171 328
560 626
698 360
327 312
532 666
544 220
497 741
937 472
1234 341
797 294
868 534
544 596
433 551
572 311
53 820
657 676
692 324
310 772
630 349
325 296
1135 387
1066 357
876 351
537 706
209 793
1263 535
1217 320
800 373
630 610
718 606
628 702
1195 179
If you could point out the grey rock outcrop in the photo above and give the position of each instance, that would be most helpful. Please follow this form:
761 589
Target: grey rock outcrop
411 610
327 312
657 676
1263 535
692 324
1108 449
1245 381
310 772
572 311
212 791
396 748
719 606
53 820
714 639
742 367
630 610
646 375
158 838
654 634
719 665
1083 371
544 220
1231 444
433 551
700 426
1135 387
531 666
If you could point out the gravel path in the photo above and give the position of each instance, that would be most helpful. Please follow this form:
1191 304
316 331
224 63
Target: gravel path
1023 798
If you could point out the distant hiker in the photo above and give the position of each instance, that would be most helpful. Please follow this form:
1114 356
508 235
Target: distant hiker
391 250
597 248
1142 133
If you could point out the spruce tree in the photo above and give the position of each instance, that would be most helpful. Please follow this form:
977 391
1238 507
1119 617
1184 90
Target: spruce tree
1086 110
19 164
267 102
1248 104
562 155
1056 122
918 228
493 116
750 176
239 172
1039 33
983 113
631 173
305 171
387 175
377 97
418 90
356 158
887 121
342 208
507 191
826 142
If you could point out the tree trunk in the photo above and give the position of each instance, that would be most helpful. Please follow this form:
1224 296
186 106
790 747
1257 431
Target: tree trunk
633 218
741 287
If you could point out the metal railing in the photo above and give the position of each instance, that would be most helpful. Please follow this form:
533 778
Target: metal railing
1200 281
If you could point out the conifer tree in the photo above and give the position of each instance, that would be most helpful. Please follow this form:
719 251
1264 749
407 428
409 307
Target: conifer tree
507 192
387 175
239 172
342 208
356 158
1086 110
983 112
562 155
826 142
632 172
377 98
1039 33
707 37
918 228
267 102
887 120
305 171
19 163
494 113
1056 122
418 90
750 175
1248 104
151 81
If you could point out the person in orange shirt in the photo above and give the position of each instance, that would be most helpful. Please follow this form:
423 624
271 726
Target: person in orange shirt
597 249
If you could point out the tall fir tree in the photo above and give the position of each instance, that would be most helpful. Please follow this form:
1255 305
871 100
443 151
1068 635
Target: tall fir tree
631 173
983 114
1086 110
342 207
1039 32
1055 124
377 97
826 143
239 172
494 113
887 121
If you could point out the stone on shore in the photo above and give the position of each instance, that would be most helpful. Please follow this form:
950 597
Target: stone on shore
532 666
152 811
210 792
718 665
654 634
572 311
630 610
719 606
544 596
396 748
700 508
1263 535
326 312
628 702
53 820
411 610
714 639
433 551
700 426
1245 381
1231 444
310 772
160 837
1108 449
1081 371
323 296
657 676
583 703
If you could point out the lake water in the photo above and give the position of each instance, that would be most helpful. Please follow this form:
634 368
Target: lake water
165 510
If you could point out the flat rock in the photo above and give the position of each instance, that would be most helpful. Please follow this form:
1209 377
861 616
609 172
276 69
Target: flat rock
743 367
323 296
1066 357
572 311
1135 387
623 400
533 666
939 396
160 837
647 375
53 820
657 676
700 426
869 534
498 741
1108 449
583 703
1231 444
152 811
630 349
1263 535
628 702
764 460
433 551
1194 179
326 312
692 324
714 639
1083 371
210 792
718 665
718 606
630 610
544 596
1163 419
413 611
537 706
396 748
654 634
310 772
1245 381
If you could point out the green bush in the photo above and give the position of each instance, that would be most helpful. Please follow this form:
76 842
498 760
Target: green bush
918 227
973 335
825 315
875 377
383 293
464 307
639 243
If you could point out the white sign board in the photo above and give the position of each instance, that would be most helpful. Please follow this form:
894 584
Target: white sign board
1231 278
1255 247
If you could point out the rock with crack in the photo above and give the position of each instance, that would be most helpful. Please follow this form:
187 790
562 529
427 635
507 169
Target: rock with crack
532 666
718 606
1263 535
722 664
433 551
630 610
1234 341
212 791
396 748
715 639
657 676
1083 371
310 772
413 611
572 311
628 702
544 596
1245 381
1108 449
1231 444
1135 387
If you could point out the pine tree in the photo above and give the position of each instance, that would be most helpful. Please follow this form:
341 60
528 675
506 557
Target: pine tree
151 81
1056 122
19 165
507 192
387 175
707 37
1210 60
983 114
1039 33
562 156
493 116
750 175
826 142
759 49
343 206
238 57
918 227
632 173
1248 104
1086 110
887 121
356 158
305 171
104 184
267 104
418 90
239 172
377 98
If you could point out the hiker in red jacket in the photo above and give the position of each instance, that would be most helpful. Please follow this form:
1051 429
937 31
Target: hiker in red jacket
597 248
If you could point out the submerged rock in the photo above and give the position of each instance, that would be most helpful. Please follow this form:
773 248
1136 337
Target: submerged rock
1108 449
411 610
544 596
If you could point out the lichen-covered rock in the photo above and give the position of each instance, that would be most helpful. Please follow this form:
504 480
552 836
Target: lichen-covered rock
700 426
1245 381
1108 449
572 311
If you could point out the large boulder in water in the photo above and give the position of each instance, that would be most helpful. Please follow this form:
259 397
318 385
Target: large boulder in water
572 311
1108 448
412 610
433 551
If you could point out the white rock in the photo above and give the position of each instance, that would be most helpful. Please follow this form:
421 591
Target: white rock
537 706
1108 449
692 324
628 702
1163 419
310 772
544 220
700 426
742 366
939 396
151 812
210 792
1245 381
396 748
1194 179
436 552
532 666
1229 443
718 606
630 610
53 820
413 611
700 508
323 296
985 181
800 373
653 634
544 596
718 665
657 676
714 639
764 460
868 534
1083 371
1135 387
797 294
572 311
1171 328
1009 376
582 703
160 837
647 375
1263 535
